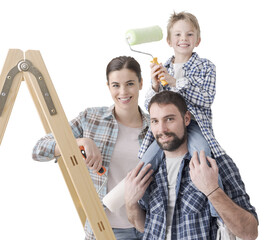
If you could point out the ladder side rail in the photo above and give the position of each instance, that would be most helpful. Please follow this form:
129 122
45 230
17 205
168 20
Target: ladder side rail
71 155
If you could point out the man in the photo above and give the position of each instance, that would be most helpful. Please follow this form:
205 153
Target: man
176 204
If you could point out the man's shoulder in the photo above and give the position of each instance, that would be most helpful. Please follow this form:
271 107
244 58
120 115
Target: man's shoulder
229 171
224 160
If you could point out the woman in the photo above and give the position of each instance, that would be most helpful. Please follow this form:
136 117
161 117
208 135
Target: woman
111 137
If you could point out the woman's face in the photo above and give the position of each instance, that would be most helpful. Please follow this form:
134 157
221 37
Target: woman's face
124 88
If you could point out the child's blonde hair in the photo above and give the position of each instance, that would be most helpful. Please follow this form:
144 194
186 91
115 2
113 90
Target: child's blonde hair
175 17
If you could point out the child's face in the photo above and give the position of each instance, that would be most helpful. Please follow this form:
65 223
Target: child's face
183 39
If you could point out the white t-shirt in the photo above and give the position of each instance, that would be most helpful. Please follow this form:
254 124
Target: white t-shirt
173 166
178 70
123 160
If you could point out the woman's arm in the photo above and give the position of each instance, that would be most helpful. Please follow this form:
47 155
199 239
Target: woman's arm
93 155
46 148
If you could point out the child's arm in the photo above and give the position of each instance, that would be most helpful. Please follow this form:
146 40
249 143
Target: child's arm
156 74
198 87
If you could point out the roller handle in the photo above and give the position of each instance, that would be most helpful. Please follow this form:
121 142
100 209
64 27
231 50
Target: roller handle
162 80
102 170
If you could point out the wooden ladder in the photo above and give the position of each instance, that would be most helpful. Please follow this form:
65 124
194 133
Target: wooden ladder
32 69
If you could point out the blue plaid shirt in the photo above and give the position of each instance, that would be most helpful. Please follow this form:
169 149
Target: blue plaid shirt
99 124
192 218
197 86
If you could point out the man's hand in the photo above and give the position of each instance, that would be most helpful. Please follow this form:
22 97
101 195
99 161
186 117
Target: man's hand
204 177
238 220
136 183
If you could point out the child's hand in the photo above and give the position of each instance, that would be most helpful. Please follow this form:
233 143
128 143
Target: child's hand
160 72
156 70
165 75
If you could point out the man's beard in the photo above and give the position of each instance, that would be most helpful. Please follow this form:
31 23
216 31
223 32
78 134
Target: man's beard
171 145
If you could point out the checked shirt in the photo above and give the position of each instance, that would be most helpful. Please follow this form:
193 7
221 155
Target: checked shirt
192 218
197 86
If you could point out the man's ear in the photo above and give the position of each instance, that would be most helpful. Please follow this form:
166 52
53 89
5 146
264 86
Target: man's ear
187 118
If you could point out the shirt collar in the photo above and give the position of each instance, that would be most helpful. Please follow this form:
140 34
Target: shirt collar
110 114
187 65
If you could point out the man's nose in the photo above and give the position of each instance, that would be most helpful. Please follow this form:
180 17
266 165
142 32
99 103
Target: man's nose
162 127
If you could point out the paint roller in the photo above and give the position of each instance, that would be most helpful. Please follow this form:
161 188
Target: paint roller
145 35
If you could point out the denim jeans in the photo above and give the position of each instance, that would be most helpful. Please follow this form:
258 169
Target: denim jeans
127 234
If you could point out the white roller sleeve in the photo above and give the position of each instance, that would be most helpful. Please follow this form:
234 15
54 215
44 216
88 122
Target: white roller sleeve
115 198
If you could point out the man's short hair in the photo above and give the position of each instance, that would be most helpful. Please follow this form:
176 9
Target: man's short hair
169 97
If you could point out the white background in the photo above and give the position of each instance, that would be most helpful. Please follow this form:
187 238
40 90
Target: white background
77 39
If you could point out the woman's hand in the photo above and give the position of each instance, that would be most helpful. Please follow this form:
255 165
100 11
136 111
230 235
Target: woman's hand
94 156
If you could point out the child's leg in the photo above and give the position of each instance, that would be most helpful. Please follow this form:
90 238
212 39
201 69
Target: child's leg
196 140
150 155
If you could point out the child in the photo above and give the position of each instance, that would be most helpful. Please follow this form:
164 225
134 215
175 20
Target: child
192 77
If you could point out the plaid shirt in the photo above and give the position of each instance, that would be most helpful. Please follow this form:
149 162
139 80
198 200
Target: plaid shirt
197 86
192 218
100 125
